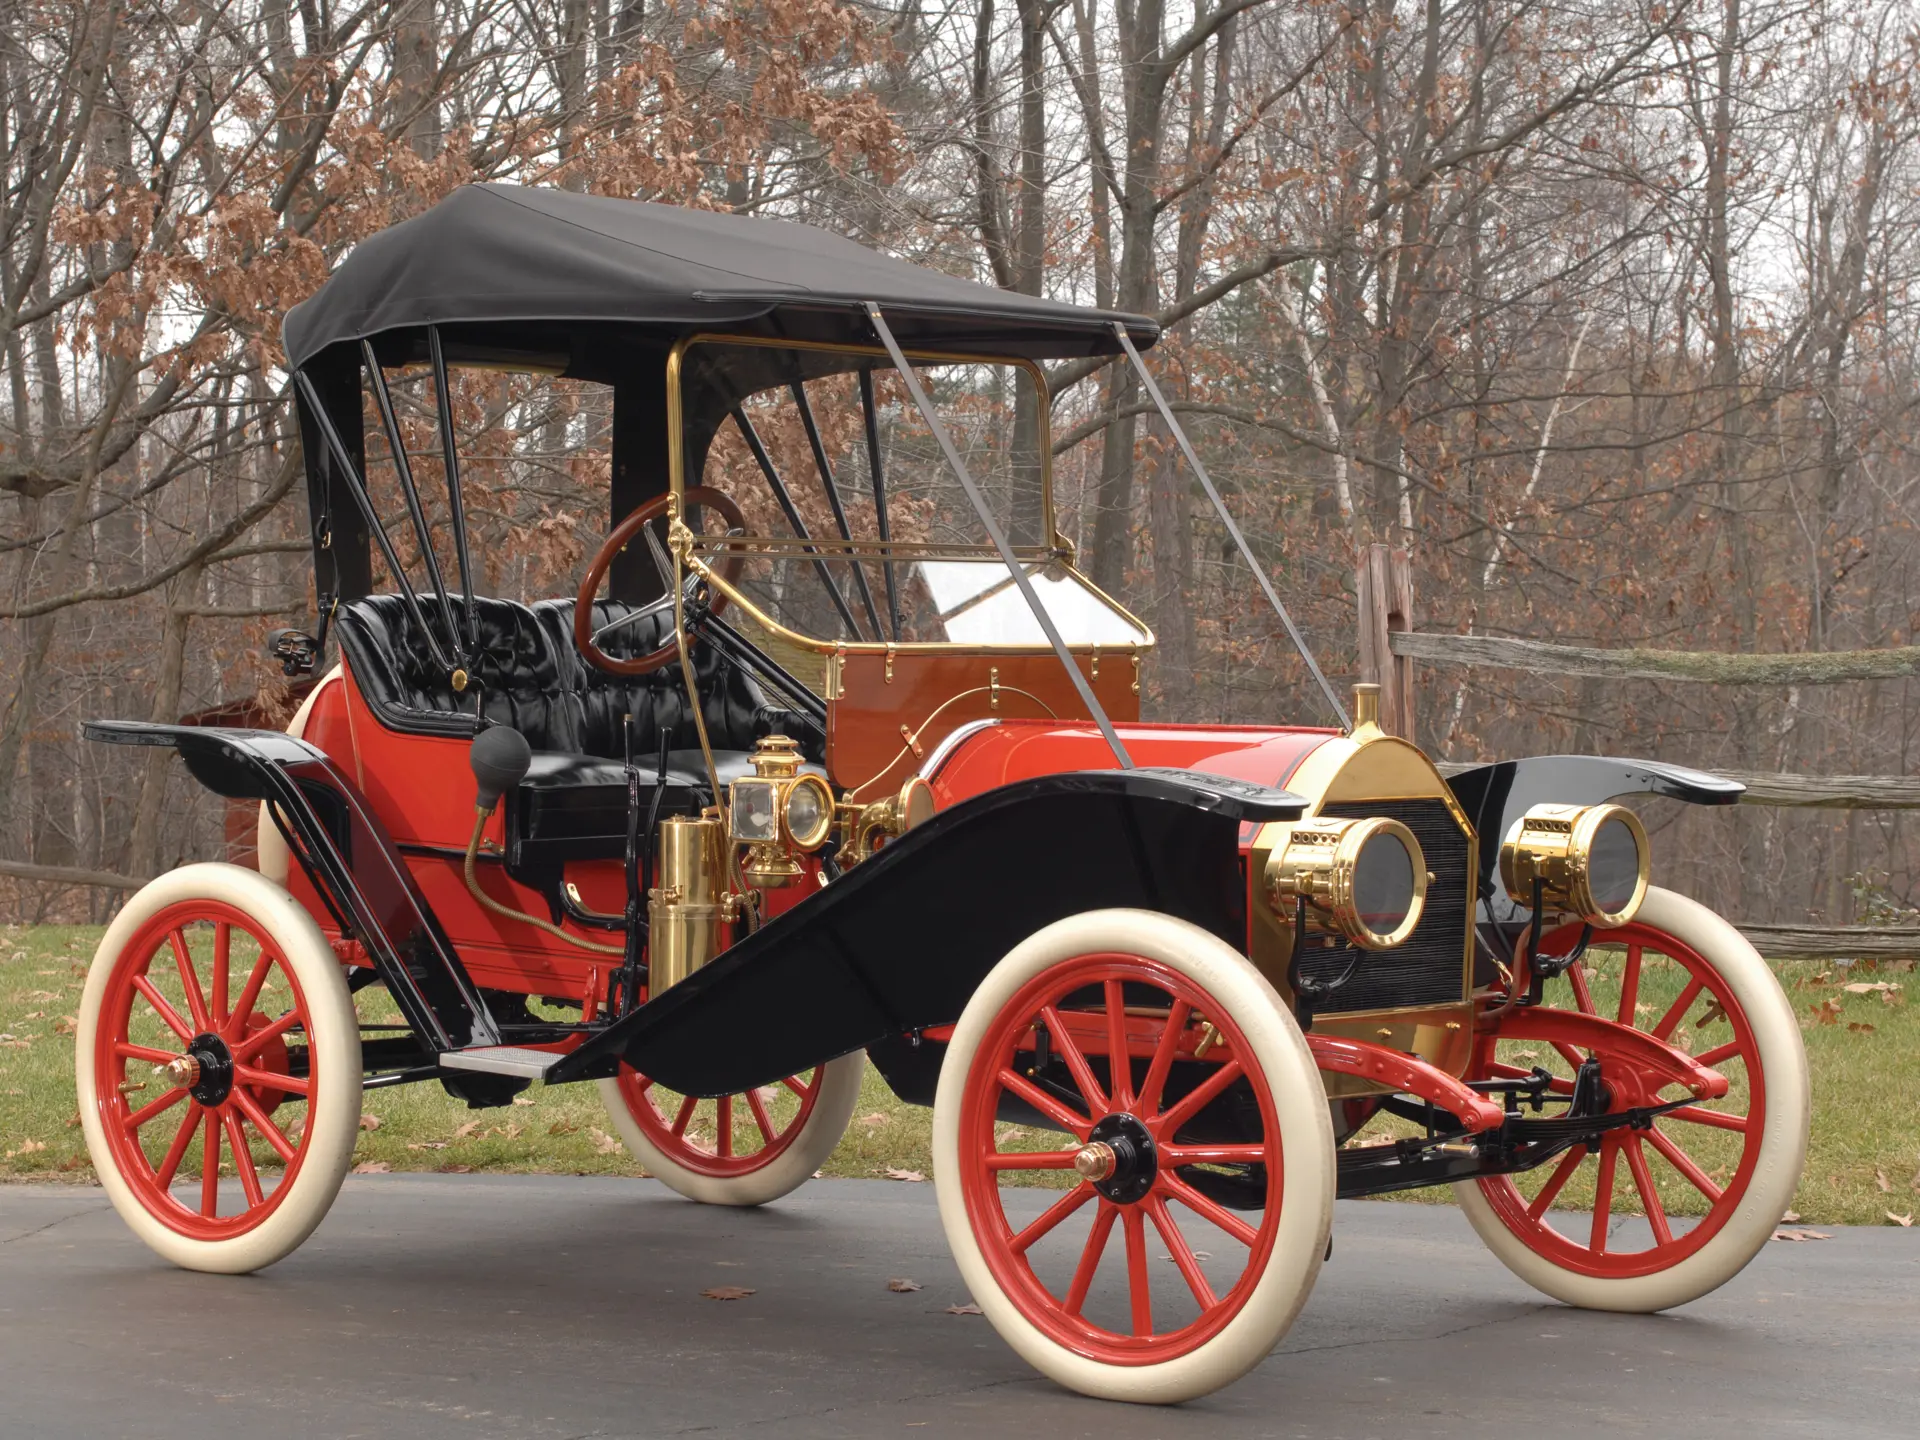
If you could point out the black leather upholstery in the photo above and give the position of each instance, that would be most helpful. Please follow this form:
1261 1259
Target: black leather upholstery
572 805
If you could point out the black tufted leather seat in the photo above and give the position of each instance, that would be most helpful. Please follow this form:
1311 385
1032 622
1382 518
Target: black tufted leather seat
528 674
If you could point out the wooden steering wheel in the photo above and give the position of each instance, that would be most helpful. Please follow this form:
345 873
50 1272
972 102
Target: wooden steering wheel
583 629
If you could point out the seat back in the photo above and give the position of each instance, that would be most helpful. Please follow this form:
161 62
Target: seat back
516 678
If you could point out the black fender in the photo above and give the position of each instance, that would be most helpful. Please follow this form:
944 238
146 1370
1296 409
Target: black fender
900 942
347 853
1494 796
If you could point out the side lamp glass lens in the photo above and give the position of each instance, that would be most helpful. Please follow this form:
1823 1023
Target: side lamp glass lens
754 817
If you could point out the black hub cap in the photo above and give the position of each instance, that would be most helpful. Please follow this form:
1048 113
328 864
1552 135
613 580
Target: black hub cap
1135 1162
216 1069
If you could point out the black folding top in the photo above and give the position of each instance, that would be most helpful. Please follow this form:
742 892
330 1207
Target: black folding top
501 266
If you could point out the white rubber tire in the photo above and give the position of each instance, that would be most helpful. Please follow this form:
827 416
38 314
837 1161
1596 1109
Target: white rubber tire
785 1173
1300 1099
1783 1144
333 1123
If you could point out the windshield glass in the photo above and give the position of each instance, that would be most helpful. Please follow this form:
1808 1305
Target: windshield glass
798 438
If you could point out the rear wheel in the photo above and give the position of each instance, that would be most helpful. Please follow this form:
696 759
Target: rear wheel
1132 1282
1645 1220
216 1037
743 1149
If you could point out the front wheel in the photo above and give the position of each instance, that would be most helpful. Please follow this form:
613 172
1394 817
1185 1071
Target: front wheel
216 1035
1146 1067
1709 1181
741 1149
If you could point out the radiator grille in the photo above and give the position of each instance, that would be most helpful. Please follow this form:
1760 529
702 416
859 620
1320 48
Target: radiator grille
1429 969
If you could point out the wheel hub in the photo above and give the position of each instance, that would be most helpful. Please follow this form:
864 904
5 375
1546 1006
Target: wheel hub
1119 1159
206 1069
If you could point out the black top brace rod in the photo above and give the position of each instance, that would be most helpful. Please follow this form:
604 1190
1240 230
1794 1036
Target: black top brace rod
456 505
1220 505
997 535
821 463
879 493
792 511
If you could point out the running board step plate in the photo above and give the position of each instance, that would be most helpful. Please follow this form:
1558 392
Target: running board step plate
501 1060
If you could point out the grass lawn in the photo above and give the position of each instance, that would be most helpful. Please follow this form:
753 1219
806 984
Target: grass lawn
1864 1049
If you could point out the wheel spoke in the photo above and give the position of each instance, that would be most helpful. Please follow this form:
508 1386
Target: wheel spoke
1572 1056
1191 1103
1139 1278
1043 1102
1063 1042
1119 1059
723 1126
263 1122
243 1161
247 1048
151 1109
1557 1181
177 1151
1713 1119
1031 1159
805 1092
169 1016
272 1080
1207 1210
1582 992
222 965
1680 1007
189 981
210 1169
142 1052
1254 1154
1630 985
1163 1053
760 1116
1052 1216
1713 1057
1685 1164
1090 1257
1182 1252
1603 1196
1649 1196
686 1113
249 993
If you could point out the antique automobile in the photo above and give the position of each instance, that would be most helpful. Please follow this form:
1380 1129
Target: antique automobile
835 756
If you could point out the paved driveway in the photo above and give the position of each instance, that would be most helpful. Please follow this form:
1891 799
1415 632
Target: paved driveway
544 1308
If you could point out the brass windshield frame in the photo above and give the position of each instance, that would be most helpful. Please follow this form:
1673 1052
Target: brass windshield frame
1060 552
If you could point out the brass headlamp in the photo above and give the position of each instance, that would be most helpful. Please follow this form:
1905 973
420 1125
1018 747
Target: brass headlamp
1590 861
1363 880
778 814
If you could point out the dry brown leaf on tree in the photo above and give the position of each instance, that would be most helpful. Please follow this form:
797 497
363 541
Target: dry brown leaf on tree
727 1292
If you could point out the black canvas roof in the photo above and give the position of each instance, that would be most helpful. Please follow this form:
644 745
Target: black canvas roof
506 264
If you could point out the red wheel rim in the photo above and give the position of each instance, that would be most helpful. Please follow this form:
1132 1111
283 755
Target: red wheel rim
727 1136
166 996
1636 1163
1093 1007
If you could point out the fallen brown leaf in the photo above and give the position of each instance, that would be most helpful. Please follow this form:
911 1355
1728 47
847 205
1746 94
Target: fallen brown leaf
426 1145
564 1127
876 1118
456 1170
895 1173
1905 1222
967 1309
727 1292
1859 1027
521 1100
901 1285
65 1025
1801 1235
1880 1179
370 1122
1827 1012
373 1167
468 1129
1792 1217
1875 987
28 1147
603 1143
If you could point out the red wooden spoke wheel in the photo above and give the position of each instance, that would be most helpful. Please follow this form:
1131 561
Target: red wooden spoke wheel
1131 1281
216 1037
742 1149
1646 1219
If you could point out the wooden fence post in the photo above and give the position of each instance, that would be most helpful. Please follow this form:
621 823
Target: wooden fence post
1385 588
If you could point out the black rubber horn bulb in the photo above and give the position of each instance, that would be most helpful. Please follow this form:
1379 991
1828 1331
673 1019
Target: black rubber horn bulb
500 758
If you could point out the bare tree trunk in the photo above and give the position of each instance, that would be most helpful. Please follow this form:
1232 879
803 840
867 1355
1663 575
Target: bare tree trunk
143 857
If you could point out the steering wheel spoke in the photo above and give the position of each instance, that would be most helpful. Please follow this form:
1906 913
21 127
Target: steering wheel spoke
588 640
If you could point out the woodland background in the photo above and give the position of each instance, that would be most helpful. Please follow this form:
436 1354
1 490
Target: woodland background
1604 309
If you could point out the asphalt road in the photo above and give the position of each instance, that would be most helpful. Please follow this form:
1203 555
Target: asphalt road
548 1308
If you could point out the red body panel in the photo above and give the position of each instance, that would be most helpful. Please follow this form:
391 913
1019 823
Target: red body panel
1024 749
